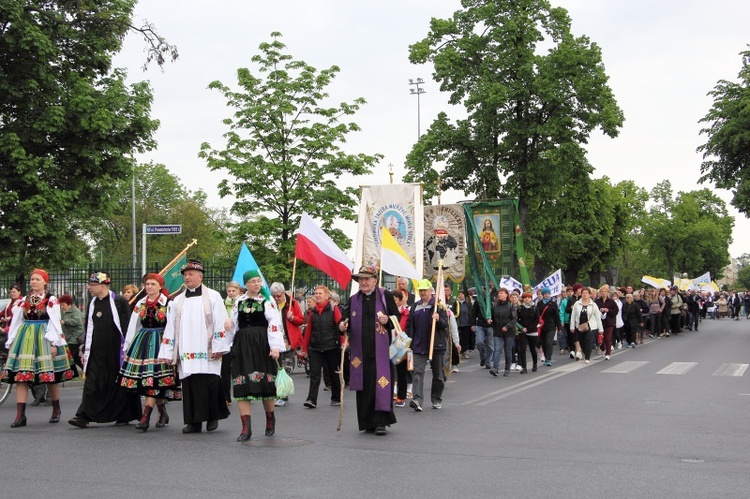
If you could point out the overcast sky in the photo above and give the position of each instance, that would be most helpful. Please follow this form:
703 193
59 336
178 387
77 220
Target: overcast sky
662 57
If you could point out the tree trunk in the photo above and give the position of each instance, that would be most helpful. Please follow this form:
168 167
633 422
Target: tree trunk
570 276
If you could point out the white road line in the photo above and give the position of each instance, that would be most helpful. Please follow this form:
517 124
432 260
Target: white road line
731 370
678 368
626 367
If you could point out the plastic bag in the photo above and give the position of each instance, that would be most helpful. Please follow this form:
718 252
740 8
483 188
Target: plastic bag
284 383
400 344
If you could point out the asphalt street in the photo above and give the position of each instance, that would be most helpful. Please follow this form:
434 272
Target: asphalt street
668 419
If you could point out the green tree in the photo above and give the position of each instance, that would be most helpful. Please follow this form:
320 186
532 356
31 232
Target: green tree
726 153
284 155
529 113
743 277
688 233
160 199
69 124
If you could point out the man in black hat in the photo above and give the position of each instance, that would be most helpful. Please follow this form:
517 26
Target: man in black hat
195 339
370 332
103 399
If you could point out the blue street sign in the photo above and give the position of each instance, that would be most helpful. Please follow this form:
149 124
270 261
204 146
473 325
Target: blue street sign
164 229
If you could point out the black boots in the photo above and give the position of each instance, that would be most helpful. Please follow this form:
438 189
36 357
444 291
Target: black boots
270 423
247 431
55 411
145 420
20 415
163 416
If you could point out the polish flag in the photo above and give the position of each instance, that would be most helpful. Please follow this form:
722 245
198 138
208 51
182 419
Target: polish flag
315 248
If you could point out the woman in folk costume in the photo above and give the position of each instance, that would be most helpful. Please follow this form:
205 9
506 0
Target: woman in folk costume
258 337
370 332
141 372
37 352
103 400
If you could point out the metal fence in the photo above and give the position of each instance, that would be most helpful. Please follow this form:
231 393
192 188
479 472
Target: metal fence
73 281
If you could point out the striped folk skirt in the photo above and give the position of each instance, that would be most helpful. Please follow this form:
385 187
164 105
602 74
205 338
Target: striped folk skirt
142 373
30 358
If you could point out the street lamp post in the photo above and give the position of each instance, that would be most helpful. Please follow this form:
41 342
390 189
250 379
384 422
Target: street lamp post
419 91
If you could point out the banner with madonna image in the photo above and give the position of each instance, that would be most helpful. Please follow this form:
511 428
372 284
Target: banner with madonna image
445 239
490 236
398 208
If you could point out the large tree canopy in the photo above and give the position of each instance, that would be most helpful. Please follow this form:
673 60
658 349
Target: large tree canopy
68 123
284 154
530 109
689 233
726 153
160 199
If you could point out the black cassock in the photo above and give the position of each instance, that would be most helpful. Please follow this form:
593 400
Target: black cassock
367 417
103 400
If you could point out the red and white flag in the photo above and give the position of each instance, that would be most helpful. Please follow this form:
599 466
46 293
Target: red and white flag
315 248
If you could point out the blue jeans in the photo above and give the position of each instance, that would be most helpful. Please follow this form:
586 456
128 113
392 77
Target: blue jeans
503 344
485 343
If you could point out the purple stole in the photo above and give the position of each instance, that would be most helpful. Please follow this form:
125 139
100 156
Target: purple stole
383 387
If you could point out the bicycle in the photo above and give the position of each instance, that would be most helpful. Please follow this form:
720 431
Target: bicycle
4 387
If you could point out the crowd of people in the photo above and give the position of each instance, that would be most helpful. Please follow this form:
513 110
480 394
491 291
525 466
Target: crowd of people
140 349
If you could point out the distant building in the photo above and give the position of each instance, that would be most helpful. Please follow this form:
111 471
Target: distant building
730 274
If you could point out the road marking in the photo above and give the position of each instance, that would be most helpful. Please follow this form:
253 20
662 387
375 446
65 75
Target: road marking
678 368
731 370
626 367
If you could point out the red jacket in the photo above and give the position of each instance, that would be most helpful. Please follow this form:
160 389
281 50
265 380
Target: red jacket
291 326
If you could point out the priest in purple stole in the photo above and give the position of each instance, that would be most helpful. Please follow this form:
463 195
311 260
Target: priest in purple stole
370 332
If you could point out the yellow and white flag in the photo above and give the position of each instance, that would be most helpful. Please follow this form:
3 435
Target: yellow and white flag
394 260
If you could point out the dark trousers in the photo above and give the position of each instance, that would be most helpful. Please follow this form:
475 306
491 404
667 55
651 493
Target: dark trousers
547 343
403 376
74 348
523 342
674 323
331 359
630 332
586 340
226 376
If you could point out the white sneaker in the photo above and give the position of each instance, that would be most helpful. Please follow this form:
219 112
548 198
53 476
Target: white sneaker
542 359
579 355
606 357
588 361
513 367
519 368
454 369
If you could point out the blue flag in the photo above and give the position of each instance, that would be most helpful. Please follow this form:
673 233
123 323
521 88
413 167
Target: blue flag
246 262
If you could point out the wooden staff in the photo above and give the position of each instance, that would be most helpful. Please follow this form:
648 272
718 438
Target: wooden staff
341 381
294 272
434 310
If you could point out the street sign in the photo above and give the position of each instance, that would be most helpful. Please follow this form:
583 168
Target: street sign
163 229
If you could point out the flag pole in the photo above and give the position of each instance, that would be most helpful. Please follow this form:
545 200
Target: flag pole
179 255
294 272
138 295
434 310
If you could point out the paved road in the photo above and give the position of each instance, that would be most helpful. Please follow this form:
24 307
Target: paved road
669 419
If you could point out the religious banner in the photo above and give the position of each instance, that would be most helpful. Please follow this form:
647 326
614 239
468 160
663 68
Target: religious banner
444 237
398 208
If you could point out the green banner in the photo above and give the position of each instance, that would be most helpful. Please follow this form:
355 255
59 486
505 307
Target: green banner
173 275
492 244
